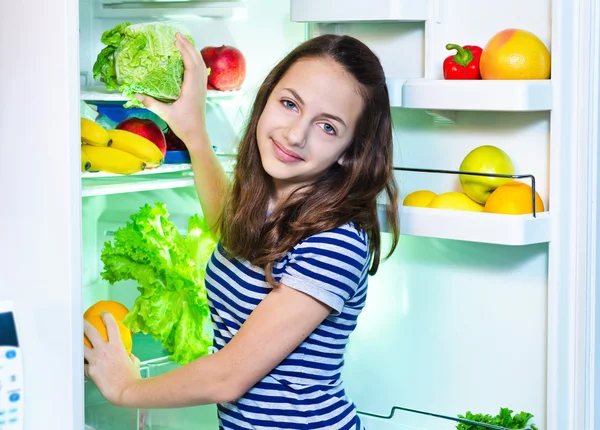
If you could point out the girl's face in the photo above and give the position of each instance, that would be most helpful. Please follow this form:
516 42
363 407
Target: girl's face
308 123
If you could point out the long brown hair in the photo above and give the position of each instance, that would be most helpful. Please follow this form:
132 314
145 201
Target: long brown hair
344 193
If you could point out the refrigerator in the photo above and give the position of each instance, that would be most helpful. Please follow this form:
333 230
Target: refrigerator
472 312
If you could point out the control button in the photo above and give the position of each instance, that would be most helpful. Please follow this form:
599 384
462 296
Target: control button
13 411
12 420
14 397
2 422
11 353
2 413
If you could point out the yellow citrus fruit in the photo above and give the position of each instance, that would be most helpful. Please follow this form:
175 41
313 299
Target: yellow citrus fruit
96 321
455 200
420 198
117 310
515 54
513 198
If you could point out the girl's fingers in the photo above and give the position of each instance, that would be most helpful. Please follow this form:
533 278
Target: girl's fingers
87 353
135 360
189 49
111 327
153 105
92 334
86 368
187 55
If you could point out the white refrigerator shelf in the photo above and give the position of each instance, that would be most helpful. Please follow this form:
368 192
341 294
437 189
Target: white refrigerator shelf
358 11
98 93
148 8
475 226
477 95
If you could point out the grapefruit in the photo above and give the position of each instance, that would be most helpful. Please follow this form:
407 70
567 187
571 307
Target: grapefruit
118 310
515 54
98 322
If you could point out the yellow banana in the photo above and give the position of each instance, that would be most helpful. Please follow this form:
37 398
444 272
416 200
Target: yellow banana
93 133
137 145
85 161
112 160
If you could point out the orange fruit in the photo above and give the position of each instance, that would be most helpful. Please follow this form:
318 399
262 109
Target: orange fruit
513 198
96 321
515 54
117 310
420 198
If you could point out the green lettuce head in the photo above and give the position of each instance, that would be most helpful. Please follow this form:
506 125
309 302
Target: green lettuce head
142 58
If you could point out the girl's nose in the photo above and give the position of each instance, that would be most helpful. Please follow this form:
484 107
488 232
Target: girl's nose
295 134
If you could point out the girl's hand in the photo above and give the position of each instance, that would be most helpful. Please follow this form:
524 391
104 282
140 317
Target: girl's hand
186 116
109 366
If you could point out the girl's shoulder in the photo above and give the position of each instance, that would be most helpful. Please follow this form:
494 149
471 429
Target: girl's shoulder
346 238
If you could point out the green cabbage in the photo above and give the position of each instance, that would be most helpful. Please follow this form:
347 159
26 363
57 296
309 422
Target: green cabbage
169 269
142 58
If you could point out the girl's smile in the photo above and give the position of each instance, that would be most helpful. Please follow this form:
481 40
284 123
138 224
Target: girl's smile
285 155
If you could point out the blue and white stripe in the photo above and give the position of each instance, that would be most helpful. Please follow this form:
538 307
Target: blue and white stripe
305 390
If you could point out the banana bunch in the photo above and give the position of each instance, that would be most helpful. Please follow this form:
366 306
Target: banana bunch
116 151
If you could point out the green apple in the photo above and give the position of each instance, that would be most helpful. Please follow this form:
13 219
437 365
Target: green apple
455 200
485 159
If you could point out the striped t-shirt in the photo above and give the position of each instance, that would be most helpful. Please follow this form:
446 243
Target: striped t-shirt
305 390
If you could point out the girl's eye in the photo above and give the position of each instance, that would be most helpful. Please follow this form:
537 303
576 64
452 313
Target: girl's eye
328 128
289 104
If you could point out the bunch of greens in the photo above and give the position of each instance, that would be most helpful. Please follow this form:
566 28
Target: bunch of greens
503 419
169 269
142 58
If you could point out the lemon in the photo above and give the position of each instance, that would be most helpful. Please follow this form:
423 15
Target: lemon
420 198
455 200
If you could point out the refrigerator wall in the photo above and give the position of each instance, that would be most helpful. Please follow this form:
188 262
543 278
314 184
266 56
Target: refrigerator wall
450 325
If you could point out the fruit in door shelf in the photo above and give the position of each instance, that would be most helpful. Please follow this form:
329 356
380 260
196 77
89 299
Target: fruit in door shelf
147 129
455 200
112 160
118 310
227 67
93 133
98 323
513 198
420 198
515 54
485 159
464 64
137 145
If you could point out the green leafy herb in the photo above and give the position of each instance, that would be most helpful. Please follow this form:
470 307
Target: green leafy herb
503 419
142 58
169 269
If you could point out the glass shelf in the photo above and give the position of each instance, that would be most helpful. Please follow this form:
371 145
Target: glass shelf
101 94
167 176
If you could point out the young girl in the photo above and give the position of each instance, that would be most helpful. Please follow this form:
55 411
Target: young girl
299 235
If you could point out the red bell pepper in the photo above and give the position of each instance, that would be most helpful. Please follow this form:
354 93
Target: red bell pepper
464 64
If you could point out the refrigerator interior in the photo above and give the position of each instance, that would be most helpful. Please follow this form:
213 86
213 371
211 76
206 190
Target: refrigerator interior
453 322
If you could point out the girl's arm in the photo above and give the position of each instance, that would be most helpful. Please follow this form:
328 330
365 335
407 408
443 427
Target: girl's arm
280 323
187 118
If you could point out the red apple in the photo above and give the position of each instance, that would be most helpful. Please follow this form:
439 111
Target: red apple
227 67
145 128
